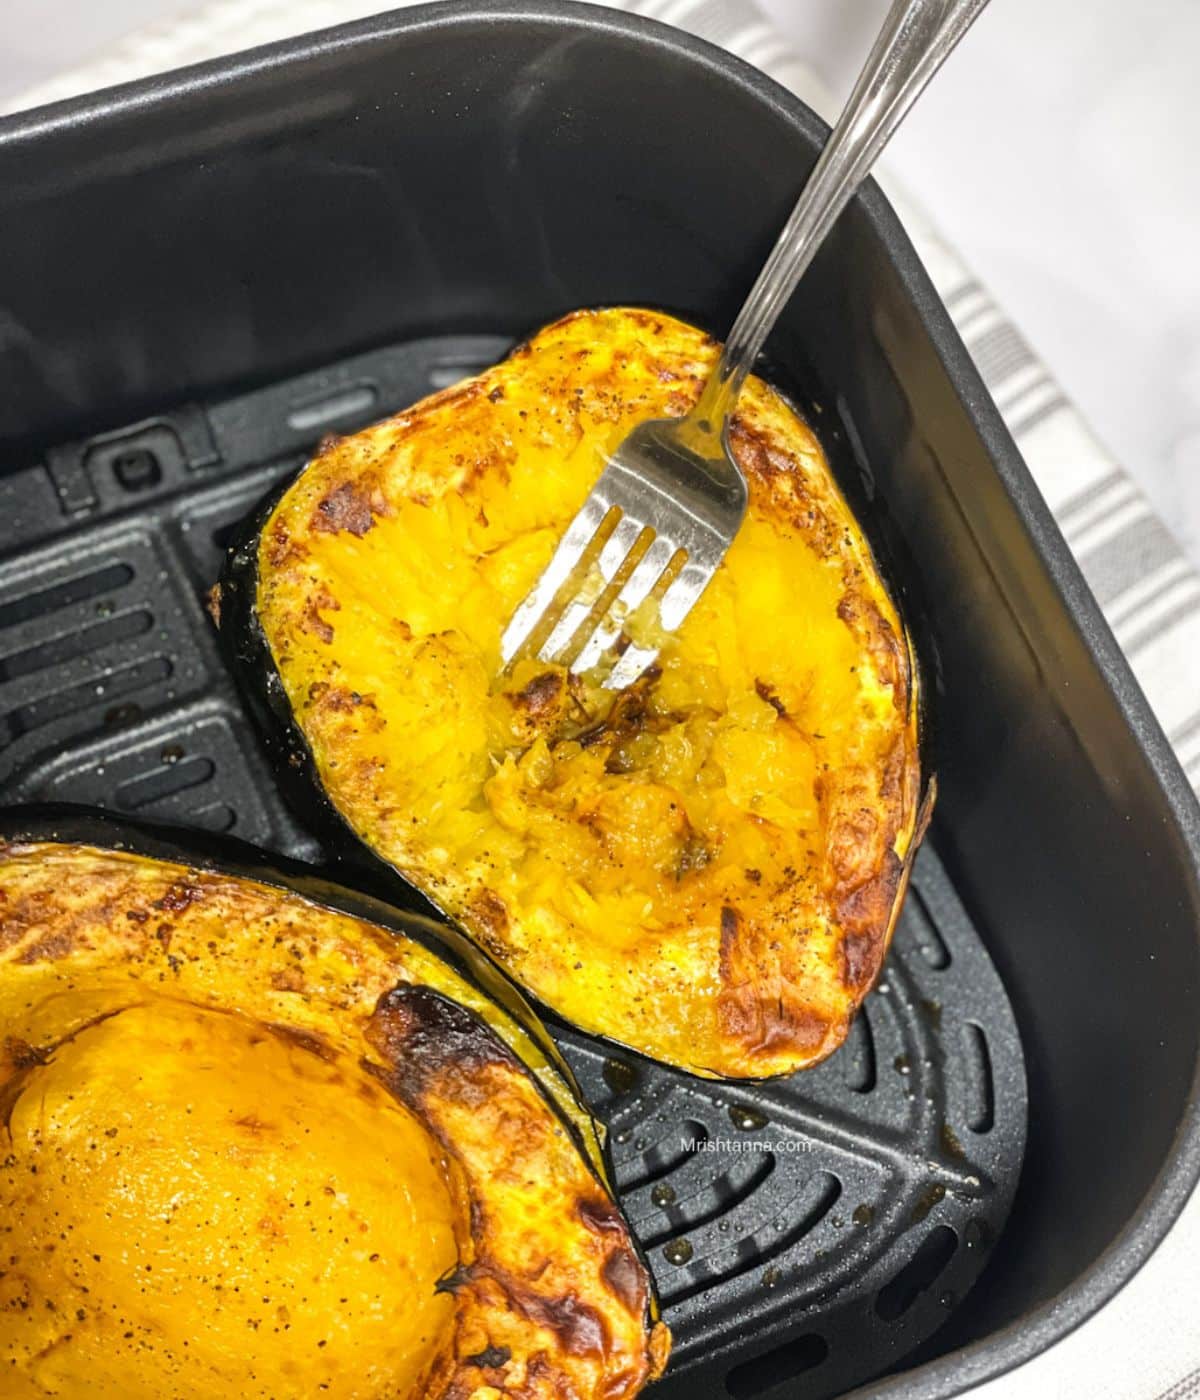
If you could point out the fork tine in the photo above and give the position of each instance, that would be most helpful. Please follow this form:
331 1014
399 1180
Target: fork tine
676 603
571 549
678 600
638 587
613 556
632 663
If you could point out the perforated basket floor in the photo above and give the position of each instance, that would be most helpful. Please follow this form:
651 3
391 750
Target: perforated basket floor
805 1235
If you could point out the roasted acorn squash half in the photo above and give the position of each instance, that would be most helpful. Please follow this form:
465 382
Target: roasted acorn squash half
706 867
257 1143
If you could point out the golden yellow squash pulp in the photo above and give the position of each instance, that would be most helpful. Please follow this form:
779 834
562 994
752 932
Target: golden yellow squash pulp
705 867
255 1147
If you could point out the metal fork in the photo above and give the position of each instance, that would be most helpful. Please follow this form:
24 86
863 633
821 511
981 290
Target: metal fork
671 497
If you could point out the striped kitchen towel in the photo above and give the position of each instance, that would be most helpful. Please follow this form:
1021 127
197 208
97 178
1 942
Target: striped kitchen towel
1143 1344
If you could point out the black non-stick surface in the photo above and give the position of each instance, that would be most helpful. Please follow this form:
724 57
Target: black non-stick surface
817 1228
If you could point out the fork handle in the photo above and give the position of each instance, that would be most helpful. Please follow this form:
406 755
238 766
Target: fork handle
916 37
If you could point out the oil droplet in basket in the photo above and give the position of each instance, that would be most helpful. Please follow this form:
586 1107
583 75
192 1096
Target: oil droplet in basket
619 1076
926 1202
172 753
663 1194
863 1215
950 1141
122 714
677 1251
772 1276
747 1119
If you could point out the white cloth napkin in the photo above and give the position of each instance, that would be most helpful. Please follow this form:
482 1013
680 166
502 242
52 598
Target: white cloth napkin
1145 1344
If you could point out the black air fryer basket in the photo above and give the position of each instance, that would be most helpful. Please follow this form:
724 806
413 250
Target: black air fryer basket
202 274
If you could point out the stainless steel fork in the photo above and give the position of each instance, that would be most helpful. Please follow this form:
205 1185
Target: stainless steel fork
671 497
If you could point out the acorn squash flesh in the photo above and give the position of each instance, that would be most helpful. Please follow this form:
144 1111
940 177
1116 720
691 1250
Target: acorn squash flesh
705 867
260 1147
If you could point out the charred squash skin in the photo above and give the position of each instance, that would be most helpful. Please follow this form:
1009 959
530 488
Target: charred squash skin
260 1145
706 868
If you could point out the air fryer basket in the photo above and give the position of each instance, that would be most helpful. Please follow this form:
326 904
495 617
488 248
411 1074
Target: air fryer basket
826 1224
396 200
